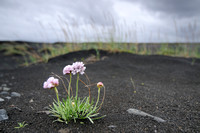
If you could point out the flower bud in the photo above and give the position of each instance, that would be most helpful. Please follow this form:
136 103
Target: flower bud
99 84
73 104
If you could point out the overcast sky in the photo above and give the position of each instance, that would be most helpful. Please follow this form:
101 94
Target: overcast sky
100 20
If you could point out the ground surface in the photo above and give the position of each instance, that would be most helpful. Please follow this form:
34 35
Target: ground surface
167 87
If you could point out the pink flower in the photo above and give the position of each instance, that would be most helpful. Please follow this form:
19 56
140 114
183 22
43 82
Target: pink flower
67 69
45 85
50 83
78 67
99 84
50 79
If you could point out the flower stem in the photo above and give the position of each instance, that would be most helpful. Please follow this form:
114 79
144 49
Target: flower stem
56 91
102 99
70 80
97 98
77 86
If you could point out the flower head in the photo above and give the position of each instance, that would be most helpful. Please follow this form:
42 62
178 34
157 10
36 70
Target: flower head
78 67
50 83
99 84
67 69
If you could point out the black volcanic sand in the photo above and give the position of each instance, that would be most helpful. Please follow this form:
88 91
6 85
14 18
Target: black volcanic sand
166 87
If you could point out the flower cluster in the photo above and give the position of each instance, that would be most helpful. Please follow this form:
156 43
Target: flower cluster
51 83
77 67
74 107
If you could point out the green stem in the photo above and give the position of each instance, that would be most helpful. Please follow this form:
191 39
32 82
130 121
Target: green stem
97 98
77 86
57 94
70 80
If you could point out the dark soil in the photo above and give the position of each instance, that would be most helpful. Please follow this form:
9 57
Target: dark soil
166 87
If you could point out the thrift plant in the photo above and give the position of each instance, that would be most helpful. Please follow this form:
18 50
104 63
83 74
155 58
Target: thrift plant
73 108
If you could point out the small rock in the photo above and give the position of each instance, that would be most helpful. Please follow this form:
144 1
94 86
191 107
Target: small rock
66 130
141 113
8 97
3 115
6 89
46 108
4 93
17 108
15 94
13 77
1 88
1 100
47 112
137 112
4 85
112 126
31 101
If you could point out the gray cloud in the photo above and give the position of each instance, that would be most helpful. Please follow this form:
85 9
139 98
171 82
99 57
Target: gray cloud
40 20
25 19
175 8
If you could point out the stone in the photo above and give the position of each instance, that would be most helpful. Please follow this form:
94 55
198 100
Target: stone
3 115
1 88
1 100
31 101
17 109
112 126
141 113
4 85
8 97
15 94
158 119
6 89
47 112
46 108
66 130
4 93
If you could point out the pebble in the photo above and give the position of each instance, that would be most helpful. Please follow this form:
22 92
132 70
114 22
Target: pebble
66 130
141 113
15 94
3 115
1 100
8 97
1 88
47 112
4 93
4 85
6 89
18 109
46 108
112 126
31 101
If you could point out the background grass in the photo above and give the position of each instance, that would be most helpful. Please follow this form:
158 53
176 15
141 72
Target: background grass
113 39
33 53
